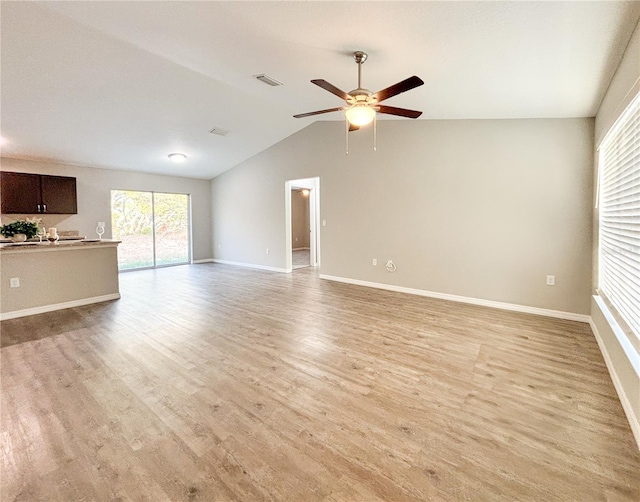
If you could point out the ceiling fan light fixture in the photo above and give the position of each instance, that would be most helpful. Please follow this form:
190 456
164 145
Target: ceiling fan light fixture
177 157
360 115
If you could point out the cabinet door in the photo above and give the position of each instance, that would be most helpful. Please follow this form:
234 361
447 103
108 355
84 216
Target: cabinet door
59 195
20 193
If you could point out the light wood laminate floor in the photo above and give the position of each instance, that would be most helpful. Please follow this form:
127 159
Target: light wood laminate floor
215 383
301 258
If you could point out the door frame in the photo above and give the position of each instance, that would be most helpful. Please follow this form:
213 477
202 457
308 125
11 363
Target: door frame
313 185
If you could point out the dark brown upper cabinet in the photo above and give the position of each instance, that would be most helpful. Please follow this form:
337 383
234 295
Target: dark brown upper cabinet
24 193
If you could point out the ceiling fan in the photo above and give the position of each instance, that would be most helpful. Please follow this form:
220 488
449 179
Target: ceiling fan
362 104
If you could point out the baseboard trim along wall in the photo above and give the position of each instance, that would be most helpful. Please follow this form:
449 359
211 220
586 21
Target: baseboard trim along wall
570 316
58 306
206 260
251 265
634 420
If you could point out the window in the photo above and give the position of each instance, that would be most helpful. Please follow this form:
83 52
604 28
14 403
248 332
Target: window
619 217
153 228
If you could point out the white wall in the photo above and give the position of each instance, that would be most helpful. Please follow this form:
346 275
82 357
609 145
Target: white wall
94 198
619 349
623 87
477 208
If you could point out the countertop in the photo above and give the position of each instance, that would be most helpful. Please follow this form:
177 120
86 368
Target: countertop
66 245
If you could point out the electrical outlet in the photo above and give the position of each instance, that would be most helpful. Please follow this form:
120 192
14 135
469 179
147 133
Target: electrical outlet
551 280
374 262
219 246
15 282
267 250
324 223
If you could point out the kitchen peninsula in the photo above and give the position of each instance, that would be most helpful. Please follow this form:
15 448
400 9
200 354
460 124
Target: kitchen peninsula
39 278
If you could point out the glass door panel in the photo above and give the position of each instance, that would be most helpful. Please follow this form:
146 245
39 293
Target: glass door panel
171 214
132 223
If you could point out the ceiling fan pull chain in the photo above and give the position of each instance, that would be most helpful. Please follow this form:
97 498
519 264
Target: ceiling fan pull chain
375 134
346 136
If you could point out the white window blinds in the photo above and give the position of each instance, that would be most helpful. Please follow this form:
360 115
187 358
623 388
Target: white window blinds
619 204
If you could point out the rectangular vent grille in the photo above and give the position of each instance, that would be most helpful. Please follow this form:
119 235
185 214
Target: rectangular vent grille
219 131
268 80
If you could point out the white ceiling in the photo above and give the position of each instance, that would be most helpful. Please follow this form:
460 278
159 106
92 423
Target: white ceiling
122 84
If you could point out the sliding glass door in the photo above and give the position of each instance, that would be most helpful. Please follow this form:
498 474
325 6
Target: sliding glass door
153 228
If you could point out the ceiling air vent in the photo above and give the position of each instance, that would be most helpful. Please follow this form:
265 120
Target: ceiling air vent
219 131
268 80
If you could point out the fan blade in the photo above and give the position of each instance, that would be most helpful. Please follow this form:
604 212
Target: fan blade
400 87
402 112
331 88
318 112
353 128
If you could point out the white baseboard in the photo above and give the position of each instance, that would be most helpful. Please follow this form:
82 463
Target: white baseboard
300 249
58 306
206 260
570 316
251 265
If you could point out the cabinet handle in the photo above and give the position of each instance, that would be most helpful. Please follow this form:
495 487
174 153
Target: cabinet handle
44 208
39 208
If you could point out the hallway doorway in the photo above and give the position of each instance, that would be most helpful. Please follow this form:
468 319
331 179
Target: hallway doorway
302 213
300 228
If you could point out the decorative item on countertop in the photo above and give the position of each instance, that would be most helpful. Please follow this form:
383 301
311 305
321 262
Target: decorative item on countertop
100 229
42 232
53 235
28 228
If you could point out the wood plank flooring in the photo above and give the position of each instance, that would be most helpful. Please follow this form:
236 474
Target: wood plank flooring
215 383
301 258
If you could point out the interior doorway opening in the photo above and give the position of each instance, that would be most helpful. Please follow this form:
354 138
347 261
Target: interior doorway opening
300 228
302 213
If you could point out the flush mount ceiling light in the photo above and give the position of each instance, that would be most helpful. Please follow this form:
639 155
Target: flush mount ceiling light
177 157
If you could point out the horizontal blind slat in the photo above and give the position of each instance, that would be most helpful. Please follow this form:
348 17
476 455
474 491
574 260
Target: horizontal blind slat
619 216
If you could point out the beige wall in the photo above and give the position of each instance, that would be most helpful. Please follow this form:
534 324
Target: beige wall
94 198
624 86
299 219
478 208
59 275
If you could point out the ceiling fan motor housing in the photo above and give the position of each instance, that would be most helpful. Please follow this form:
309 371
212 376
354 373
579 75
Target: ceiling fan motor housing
360 95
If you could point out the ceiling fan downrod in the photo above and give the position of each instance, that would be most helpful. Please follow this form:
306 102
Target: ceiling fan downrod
360 58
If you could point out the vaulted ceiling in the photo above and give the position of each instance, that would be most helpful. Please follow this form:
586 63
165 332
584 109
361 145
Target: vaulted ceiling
121 85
